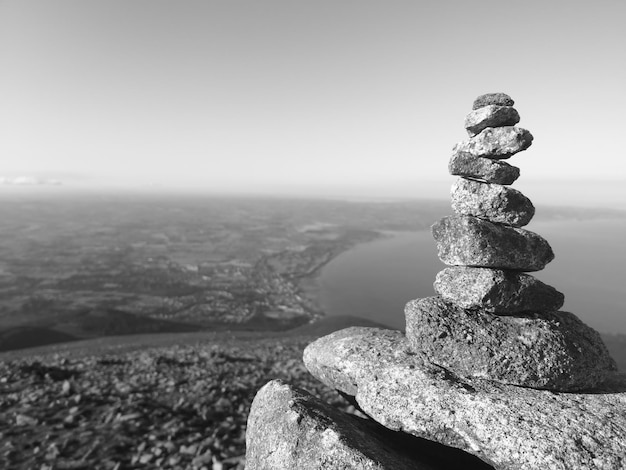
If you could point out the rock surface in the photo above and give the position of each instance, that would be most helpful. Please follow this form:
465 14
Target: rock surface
486 169
490 116
550 350
497 142
289 429
494 202
496 290
511 427
500 99
470 241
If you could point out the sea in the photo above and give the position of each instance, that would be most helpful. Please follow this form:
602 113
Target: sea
374 280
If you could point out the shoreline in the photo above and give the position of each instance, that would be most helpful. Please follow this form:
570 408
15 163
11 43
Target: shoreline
309 285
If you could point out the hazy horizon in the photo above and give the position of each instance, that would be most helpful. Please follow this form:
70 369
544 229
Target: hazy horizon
567 193
330 98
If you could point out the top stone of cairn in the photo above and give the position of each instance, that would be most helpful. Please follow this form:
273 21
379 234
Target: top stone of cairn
499 99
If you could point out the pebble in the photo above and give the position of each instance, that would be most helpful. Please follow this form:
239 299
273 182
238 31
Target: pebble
497 142
486 169
493 202
490 116
496 290
470 241
500 99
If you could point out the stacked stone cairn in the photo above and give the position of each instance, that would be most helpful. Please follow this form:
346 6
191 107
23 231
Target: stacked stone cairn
491 319
489 374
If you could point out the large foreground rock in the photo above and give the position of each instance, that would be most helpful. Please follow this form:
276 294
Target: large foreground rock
492 171
550 350
513 428
490 116
290 429
497 142
470 241
496 290
494 202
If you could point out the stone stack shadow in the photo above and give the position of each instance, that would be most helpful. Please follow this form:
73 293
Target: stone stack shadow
490 373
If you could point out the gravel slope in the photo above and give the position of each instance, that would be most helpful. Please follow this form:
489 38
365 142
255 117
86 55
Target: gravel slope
165 406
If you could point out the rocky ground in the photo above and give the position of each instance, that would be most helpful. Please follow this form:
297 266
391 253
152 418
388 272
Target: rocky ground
166 406
177 401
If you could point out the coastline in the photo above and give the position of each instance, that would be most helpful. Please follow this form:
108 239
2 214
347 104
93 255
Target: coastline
309 286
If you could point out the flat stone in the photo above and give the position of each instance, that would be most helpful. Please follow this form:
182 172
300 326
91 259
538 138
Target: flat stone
548 350
470 241
500 99
497 142
490 116
491 171
288 429
496 290
510 427
494 202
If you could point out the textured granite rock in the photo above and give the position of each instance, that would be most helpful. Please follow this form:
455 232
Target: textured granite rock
494 202
499 99
486 169
510 427
497 142
470 241
490 116
496 290
549 350
288 428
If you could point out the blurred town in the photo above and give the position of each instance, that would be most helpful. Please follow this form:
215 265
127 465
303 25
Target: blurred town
98 265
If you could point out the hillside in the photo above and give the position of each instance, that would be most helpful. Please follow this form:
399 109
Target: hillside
176 400
173 406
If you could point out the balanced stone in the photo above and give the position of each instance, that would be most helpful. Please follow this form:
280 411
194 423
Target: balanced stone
497 142
499 99
549 350
493 202
510 427
470 241
491 171
490 116
288 429
496 290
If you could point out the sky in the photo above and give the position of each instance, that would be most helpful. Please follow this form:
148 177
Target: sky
331 97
